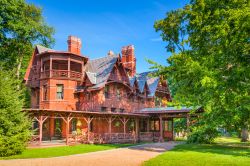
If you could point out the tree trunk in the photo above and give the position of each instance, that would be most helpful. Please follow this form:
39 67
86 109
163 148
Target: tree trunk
19 67
244 134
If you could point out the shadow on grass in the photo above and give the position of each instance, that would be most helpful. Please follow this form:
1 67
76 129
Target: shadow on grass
118 145
215 149
156 147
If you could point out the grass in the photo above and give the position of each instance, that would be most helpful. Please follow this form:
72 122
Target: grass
226 151
64 150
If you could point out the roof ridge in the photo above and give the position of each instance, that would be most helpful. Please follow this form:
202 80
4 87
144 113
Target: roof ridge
114 56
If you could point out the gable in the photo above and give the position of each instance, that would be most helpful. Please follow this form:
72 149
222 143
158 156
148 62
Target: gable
102 68
38 50
119 74
31 62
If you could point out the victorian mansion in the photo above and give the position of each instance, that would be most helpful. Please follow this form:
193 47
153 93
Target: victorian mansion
104 100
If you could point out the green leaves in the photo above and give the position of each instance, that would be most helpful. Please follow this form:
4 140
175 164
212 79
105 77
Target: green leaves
14 124
21 26
213 68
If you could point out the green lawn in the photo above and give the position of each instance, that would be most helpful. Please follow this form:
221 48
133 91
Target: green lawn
226 151
64 150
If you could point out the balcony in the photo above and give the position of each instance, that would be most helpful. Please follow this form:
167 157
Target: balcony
62 74
61 68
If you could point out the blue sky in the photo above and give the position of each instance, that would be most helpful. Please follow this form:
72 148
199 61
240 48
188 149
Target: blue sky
105 25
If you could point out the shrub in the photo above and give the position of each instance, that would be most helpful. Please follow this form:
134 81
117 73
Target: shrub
14 124
202 134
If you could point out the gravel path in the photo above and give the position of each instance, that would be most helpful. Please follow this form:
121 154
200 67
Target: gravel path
130 156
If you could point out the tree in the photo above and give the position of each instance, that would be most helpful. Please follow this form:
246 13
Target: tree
21 26
14 124
180 126
210 61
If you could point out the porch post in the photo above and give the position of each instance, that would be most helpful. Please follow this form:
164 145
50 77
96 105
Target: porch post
40 120
124 126
173 136
67 121
124 121
88 121
161 129
137 125
67 131
110 120
51 127
110 124
50 66
40 129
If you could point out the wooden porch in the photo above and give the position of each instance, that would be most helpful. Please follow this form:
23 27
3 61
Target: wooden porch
88 136
147 126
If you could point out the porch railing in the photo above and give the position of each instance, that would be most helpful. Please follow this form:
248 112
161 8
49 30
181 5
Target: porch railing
146 136
101 138
61 74
149 136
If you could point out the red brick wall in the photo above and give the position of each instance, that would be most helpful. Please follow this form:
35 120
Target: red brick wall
67 103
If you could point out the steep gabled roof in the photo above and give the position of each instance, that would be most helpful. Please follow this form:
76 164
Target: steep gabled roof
141 84
38 49
146 78
132 81
152 84
100 69
142 80
92 77
41 49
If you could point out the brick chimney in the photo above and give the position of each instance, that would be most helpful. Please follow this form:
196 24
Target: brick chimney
129 60
74 45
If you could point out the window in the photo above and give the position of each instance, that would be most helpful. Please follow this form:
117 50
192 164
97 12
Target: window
45 92
154 125
113 109
132 98
87 97
91 126
37 97
58 127
157 125
73 125
106 92
170 125
59 91
103 109
157 101
121 110
118 94
143 125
